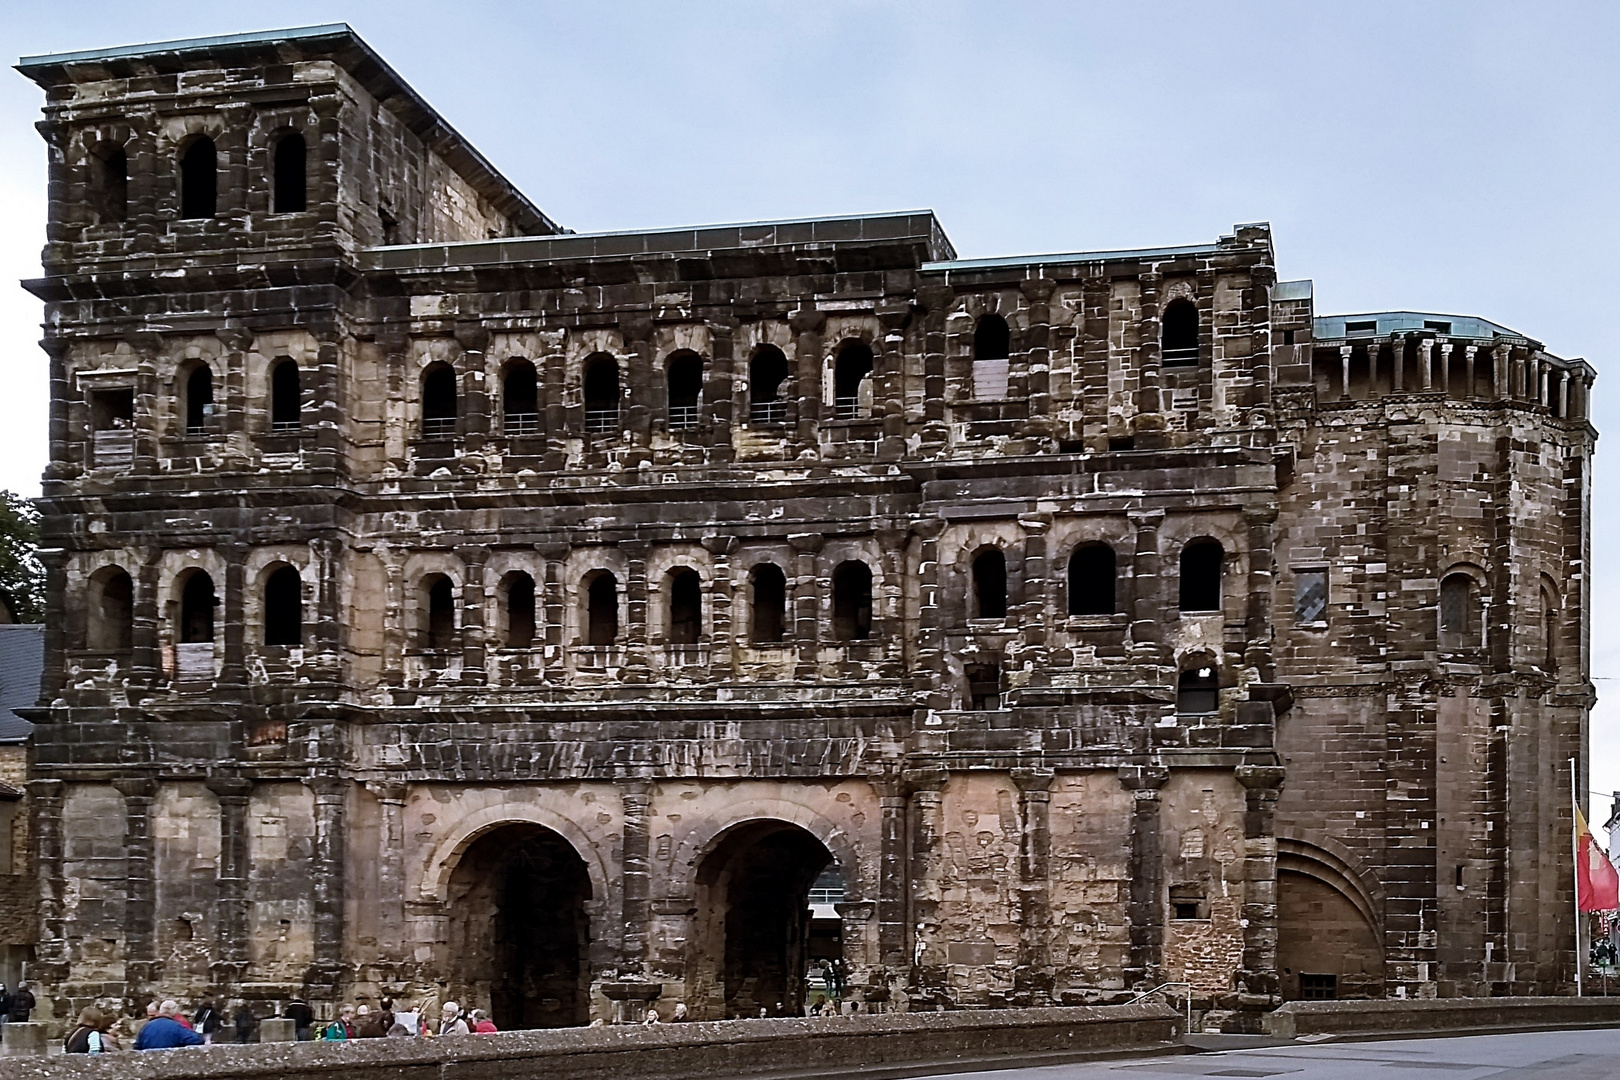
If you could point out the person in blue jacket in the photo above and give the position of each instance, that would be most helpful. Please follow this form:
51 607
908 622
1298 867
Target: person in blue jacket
164 1032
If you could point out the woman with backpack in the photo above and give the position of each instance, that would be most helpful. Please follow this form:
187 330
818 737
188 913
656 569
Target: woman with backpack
92 1035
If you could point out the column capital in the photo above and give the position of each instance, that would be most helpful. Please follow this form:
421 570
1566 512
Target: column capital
388 791
930 779
227 786
1143 781
1260 777
135 787
1030 780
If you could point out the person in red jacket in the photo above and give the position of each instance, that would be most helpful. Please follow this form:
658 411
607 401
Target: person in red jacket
482 1024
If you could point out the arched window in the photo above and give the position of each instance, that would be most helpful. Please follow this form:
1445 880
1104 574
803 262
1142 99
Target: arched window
685 607
1549 631
290 187
1198 691
1179 333
284 607
984 686
199 399
767 371
520 399
438 401
684 374
602 394
1091 580
111 611
199 180
197 609
992 340
1201 563
602 609
852 601
439 628
110 186
520 611
850 371
1458 626
768 602
990 584
286 397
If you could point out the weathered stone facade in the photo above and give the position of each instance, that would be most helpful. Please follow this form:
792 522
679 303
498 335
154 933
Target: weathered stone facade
444 603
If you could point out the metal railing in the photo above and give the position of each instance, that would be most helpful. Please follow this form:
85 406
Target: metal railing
1181 356
438 427
599 421
768 412
847 408
521 423
1166 986
682 417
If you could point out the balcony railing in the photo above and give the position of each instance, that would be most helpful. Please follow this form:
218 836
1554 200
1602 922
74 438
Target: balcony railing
438 427
847 408
284 427
114 448
599 421
1181 356
768 413
682 417
522 423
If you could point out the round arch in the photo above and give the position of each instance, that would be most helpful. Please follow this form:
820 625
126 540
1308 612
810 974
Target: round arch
441 864
709 834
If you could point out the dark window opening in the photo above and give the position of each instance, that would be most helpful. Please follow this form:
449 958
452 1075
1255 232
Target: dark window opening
1122 445
992 340
1437 327
438 402
112 410
199 180
286 398
684 375
1310 596
1187 902
112 617
520 399
520 612
685 607
197 610
290 187
767 371
1457 625
1091 580
1369 327
1201 564
441 613
850 370
1318 987
199 399
1288 337
852 601
1549 633
990 584
984 686
1179 335
602 395
769 603
390 225
110 186
602 610
284 608
1198 691
1459 875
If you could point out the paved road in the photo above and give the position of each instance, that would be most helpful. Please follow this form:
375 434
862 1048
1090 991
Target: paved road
1543 1055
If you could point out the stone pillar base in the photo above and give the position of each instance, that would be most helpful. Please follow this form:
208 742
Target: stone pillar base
23 1040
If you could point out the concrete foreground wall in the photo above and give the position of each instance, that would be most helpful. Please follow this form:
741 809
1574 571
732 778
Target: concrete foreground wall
737 1048
1457 1015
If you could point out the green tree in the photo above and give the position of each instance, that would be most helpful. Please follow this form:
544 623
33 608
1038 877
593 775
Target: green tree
22 578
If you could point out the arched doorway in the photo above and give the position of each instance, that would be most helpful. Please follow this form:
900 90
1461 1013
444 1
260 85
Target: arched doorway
518 929
1328 944
757 937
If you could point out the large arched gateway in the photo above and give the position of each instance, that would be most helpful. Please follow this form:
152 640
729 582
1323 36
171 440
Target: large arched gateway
518 928
751 946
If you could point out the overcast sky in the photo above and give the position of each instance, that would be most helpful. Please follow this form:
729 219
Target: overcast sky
1458 158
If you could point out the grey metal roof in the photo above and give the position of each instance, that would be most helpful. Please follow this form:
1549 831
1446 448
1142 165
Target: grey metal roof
1329 327
1292 290
920 225
22 662
341 43
1156 254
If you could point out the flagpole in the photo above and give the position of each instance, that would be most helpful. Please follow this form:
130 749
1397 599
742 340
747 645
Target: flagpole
1575 869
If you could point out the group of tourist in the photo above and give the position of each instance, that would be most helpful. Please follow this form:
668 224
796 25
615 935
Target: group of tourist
360 1022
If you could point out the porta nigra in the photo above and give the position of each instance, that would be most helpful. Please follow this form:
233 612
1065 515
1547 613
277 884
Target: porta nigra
447 603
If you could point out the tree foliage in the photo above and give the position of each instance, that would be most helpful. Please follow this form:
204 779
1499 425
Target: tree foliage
22 577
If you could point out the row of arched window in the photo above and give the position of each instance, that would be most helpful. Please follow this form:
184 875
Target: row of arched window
198 167
286 398
110 626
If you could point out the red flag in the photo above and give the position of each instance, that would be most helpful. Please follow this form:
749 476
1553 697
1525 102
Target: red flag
1597 885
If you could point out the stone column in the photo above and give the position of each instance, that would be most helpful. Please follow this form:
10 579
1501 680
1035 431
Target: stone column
1445 367
720 549
637 665
1038 357
1257 632
805 403
140 964
1033 978
233 672
889 381
718 384
145 659
1469 351
1397 348
1036 596
892 543
1147 426
1147 602
1502 360
473 635
1146 903
555 608
328 604
806 601
328 885
231 925
892 877
1426 360
926 788
45 799
1563 395
63 447
1257 978
636 799
391 869
1344 367
473 423
56 619
927 658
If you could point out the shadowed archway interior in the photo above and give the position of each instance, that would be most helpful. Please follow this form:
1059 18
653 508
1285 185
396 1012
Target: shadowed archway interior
519 929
